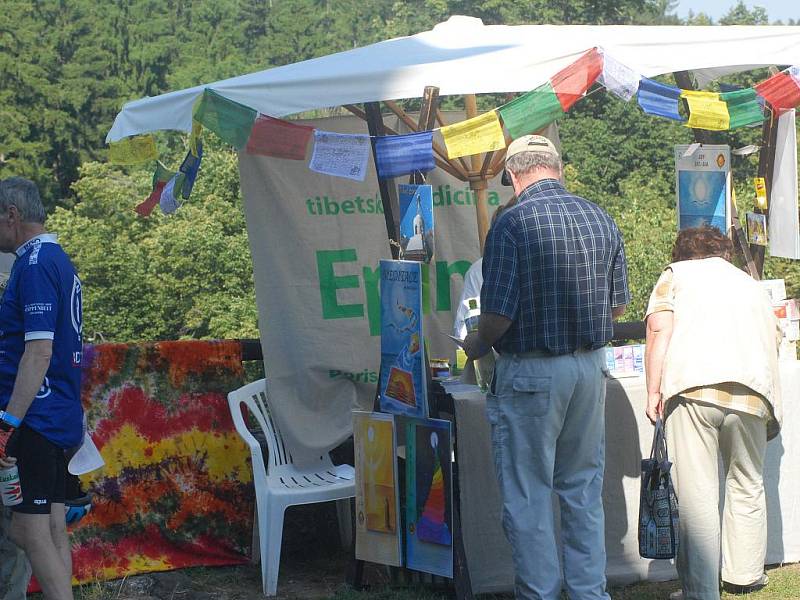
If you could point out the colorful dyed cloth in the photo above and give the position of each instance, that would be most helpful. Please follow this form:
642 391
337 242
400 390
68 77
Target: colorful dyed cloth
176 490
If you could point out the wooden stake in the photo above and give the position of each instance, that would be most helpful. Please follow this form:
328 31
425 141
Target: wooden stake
479 186
391 208
427 118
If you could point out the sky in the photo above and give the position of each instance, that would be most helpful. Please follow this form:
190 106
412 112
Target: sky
776 9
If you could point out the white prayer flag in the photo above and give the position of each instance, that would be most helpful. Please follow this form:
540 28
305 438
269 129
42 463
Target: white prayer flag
794 71
340 154
618 79
784 228
168 202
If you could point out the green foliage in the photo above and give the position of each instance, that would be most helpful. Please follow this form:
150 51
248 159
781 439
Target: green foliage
186 275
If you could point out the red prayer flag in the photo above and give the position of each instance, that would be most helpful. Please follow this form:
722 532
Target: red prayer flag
145 208
571 83
780 90
274 137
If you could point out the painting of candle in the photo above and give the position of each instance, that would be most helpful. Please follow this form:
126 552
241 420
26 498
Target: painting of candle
377 517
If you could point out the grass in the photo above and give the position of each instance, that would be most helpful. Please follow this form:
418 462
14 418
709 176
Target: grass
244 583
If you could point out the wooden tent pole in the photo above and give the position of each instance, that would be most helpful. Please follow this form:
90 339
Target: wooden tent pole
427 118
477 184
388 191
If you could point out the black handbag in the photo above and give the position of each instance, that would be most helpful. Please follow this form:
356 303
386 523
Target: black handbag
658 504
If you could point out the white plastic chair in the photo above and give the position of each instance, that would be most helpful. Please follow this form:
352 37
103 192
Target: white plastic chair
280 484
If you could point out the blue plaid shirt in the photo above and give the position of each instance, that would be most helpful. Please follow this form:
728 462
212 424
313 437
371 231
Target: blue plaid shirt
555 265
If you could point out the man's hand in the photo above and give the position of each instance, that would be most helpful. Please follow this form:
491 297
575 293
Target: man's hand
474 347
5 435
655 407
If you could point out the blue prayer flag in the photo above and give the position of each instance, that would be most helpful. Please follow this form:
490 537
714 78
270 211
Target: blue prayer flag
189 167
404 154
659 99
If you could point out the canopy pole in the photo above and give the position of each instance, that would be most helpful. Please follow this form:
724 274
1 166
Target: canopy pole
477 184
391 207
766 163
427 119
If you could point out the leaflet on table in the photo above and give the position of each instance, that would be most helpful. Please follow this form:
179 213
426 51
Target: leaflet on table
775 288
625 361
402 378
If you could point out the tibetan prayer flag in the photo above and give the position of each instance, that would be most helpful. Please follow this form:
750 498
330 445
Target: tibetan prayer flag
189 168
340 154
230 120
403 154
571 84
473 136
619 79
706 110
794 73
743 107
194 138
169 202
160 178
659 99
531 111
274 137
133 150
780 90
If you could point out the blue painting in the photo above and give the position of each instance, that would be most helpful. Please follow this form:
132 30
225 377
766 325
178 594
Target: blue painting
702 186
416 222
402 377
703 199
429 497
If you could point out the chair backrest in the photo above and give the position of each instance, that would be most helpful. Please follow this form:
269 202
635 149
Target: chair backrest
254 396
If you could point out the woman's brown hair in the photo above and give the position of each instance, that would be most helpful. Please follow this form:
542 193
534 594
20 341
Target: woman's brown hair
701 242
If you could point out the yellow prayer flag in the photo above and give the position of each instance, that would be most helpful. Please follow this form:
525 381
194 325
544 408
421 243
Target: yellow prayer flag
197 129
133 150
473 136
707 111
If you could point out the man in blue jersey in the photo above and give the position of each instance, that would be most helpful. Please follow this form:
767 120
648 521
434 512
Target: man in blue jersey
40 358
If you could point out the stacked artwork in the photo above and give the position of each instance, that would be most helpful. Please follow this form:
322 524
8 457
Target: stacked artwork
428 525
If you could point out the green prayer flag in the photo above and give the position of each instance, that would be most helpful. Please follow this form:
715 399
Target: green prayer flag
743 107
230 120
531 111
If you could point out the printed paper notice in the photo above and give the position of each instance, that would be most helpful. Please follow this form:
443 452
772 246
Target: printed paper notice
480 134
341 154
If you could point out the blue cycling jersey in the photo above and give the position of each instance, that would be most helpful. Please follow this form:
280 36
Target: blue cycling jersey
42 300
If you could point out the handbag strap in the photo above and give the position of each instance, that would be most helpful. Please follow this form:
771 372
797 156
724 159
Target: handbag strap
659 449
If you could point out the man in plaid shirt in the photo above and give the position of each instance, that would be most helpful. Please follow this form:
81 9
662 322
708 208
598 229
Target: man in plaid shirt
554 276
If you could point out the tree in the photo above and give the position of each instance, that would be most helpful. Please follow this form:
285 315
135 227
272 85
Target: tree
187 275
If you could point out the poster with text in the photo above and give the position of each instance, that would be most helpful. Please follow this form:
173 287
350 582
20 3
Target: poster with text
416 222
702 183
429 497
402 374
377 517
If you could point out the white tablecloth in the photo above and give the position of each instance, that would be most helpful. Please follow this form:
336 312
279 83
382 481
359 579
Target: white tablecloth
628 438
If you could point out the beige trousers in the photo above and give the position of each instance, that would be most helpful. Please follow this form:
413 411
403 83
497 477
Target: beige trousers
697 435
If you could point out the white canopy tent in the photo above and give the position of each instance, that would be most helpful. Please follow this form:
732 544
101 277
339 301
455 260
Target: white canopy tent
464 56
305 349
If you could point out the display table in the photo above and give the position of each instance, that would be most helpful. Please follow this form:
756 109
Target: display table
628 438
